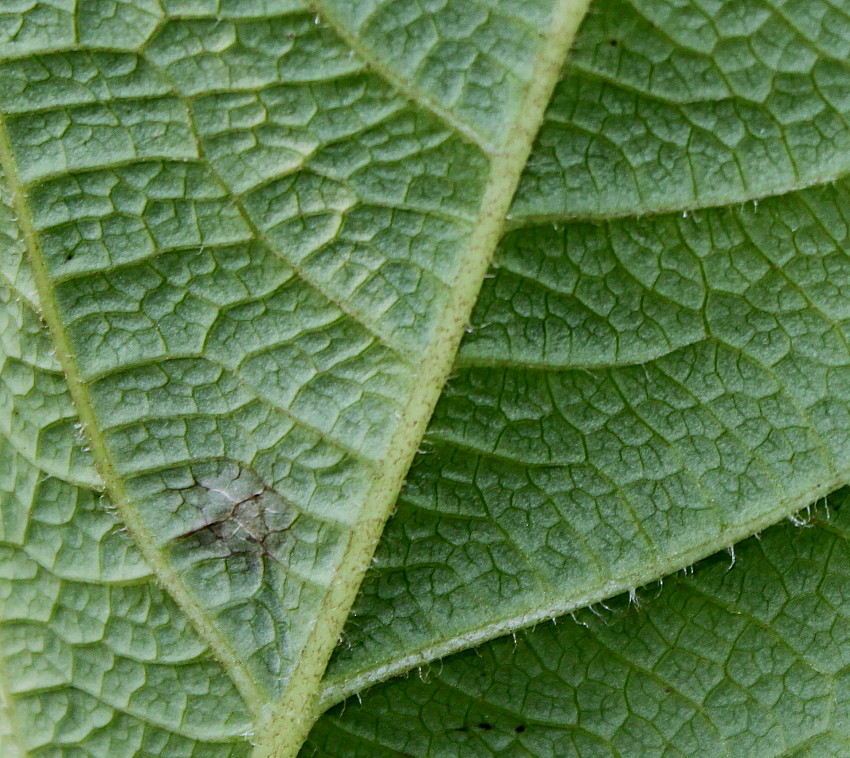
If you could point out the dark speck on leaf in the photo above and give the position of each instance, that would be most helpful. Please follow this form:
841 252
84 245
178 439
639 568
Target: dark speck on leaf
519 729
485 726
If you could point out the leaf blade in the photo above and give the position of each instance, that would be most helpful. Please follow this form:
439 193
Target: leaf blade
746 656
252 442
86 634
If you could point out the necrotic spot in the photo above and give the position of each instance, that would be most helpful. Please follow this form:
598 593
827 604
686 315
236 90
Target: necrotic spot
234 511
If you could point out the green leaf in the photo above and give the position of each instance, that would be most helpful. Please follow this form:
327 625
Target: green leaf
693 104
747 656
255 233
641 387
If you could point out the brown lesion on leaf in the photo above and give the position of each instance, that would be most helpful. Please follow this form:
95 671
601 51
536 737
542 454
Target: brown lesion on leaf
238 513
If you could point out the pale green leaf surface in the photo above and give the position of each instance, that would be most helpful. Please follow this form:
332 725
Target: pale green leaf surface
96 660
255 226
8 738
256 244
635 393
470 60
748 656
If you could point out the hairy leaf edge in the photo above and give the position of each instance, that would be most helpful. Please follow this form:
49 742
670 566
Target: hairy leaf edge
335 691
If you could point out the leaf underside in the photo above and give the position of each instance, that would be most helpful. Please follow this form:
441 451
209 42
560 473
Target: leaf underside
743 660
647 380
256 234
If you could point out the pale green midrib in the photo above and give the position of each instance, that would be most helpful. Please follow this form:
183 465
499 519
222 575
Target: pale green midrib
518 221
336 690
219 647
484 361
288 723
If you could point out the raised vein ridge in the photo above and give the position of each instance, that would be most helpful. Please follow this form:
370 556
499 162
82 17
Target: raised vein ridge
100 452
289 722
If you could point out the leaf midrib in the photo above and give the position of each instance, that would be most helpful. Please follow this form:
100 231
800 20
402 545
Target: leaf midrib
283 726
692 205
286 727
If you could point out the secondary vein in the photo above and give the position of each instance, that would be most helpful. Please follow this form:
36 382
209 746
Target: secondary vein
113 483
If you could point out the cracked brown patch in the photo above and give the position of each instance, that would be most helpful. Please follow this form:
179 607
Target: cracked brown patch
238 513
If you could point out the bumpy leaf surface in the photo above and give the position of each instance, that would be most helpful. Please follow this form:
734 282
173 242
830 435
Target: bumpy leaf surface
255 233
747 660
641 386
97 660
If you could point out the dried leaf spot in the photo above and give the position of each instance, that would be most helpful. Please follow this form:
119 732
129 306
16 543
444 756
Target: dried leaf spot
238 513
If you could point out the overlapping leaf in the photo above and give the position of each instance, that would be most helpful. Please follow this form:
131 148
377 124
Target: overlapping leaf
743 660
